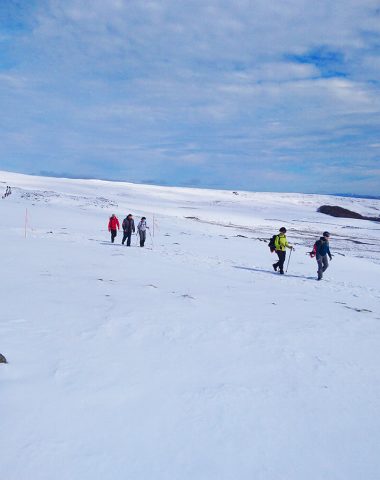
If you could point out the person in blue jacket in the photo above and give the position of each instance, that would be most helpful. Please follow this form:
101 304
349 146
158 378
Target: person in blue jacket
320 251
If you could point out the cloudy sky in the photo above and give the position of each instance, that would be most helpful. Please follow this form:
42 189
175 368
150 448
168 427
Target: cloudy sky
278 95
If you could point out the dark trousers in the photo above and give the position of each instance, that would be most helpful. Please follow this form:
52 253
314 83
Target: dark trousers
113 235
142 237
323 264
281 260
127 236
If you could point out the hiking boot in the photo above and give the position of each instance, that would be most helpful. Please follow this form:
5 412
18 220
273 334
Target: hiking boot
282 272
275 266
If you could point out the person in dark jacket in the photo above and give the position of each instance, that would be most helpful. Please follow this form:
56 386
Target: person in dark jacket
128 228
320 251
113 226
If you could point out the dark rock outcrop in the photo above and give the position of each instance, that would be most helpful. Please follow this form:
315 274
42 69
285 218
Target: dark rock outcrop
341 212
3 359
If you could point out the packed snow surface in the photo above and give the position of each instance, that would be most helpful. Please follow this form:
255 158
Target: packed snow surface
191 358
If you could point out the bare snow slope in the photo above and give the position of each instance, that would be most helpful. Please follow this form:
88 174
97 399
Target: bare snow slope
189 359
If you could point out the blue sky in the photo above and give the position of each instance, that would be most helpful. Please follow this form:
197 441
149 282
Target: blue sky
256 95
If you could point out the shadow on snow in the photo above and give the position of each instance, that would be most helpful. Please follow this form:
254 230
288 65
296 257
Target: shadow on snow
272 272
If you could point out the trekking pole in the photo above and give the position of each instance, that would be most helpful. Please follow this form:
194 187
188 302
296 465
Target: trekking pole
290 254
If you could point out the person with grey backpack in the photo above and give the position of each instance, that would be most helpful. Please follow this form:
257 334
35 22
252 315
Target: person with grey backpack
141 228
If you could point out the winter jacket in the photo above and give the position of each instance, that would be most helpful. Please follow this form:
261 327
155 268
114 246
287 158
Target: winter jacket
281 242
142 226
128 225
322 248
113 224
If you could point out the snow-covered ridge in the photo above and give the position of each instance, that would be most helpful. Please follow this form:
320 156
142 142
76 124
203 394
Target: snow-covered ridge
189 358
181 194
255 213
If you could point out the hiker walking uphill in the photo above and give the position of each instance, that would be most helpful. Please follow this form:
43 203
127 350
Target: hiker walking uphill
141 228
8 192
128 229
113 226
280 246
320 251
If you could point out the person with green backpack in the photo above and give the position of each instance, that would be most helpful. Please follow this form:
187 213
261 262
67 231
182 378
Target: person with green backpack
280 245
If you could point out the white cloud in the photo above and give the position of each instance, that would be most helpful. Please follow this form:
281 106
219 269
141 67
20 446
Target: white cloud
244 83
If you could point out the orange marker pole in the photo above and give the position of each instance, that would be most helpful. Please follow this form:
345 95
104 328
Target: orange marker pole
26 219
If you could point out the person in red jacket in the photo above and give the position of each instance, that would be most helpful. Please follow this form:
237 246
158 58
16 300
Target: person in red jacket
113 226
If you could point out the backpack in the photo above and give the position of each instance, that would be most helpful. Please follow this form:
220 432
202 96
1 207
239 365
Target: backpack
271 244
314 251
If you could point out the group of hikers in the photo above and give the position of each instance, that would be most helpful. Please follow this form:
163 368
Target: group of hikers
321 250
128 227
8 191
278 243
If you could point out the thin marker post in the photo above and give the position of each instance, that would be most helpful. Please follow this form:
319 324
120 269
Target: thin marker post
26 221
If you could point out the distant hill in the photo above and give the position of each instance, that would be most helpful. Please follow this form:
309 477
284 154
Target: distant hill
353 195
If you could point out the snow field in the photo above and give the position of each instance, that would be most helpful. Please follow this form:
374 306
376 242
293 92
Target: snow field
191 358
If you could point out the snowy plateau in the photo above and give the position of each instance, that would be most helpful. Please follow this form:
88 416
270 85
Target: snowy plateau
189 359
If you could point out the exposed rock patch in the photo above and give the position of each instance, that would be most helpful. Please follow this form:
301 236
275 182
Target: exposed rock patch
335 211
